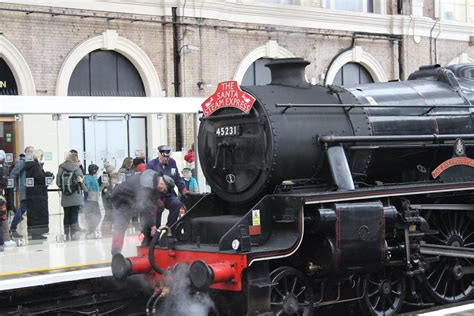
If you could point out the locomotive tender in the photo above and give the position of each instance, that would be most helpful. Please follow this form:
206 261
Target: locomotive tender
329 194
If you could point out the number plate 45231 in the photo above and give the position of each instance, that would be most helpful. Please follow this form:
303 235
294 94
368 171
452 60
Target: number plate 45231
231 130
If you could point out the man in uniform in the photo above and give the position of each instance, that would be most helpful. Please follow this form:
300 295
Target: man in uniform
165 165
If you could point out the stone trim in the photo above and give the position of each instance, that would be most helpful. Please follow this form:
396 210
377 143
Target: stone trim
110 40
246 11
19 67
356 55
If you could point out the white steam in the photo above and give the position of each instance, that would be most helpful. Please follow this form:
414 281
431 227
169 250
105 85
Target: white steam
182 301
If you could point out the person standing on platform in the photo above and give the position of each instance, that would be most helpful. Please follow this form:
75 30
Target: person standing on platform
139 164
92 213
18 173
5 239
189 181
70 182
3 217
165 165
37 196
190 160
107 182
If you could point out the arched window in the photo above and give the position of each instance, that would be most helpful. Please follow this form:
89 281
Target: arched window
105 73
257 74
352 73
7 80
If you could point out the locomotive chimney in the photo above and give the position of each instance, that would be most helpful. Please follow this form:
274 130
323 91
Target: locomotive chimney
288 72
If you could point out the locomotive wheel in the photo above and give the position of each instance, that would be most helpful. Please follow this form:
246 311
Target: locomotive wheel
384 292
443 280
291 293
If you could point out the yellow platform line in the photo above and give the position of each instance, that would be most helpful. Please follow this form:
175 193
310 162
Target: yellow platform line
55 268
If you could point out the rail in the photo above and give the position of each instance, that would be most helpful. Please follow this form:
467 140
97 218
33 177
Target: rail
393 138
351 106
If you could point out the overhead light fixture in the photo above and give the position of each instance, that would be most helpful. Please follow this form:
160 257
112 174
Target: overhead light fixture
193 48
190 48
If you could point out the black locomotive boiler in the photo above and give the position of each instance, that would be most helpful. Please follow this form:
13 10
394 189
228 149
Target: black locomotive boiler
328 194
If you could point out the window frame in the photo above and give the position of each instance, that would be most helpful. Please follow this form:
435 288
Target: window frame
467 7
378 6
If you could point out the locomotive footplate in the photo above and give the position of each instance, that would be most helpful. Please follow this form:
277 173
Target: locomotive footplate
387 191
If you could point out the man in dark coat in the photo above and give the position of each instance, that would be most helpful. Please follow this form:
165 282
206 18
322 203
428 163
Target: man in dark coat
144 194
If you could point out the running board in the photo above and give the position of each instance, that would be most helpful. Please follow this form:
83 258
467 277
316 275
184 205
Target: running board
446 251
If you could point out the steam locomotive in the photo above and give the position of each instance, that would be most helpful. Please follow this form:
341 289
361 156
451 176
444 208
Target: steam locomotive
328 194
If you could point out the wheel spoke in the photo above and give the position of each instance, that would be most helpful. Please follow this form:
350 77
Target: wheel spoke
294 285
440 278
439 239
455 227
446 286
278 291
375 283
466 228
372 293
465 238
463 287
392 304
450 225
446 229
434 271
376 303
301 292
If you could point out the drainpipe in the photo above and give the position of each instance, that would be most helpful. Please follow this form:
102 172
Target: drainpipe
401 70
177 76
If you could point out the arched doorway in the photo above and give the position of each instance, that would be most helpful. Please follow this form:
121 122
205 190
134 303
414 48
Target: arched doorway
105 73
352 73
107 138
7 80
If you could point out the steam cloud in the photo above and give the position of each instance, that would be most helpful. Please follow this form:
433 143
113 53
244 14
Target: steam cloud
182 301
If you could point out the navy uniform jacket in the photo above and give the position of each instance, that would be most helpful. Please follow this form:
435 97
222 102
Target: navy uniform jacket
170 170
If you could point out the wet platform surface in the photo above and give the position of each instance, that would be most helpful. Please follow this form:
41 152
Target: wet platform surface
51 262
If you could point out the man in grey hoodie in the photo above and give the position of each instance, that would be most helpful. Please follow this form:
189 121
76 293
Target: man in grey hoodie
18 173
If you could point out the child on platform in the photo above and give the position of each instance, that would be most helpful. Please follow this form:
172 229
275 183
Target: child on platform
92 213
189 181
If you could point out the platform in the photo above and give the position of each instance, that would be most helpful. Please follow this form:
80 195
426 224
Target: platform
51 262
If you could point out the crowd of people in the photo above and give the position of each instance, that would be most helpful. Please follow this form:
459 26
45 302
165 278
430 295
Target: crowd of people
139 189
